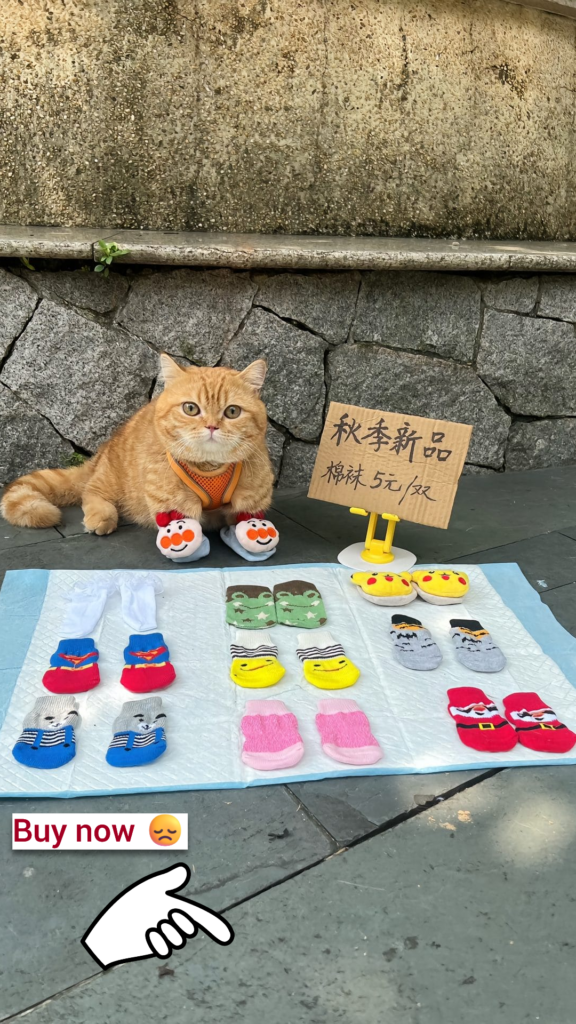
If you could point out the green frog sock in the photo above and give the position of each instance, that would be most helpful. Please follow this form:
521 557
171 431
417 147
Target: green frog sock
299 603
250 607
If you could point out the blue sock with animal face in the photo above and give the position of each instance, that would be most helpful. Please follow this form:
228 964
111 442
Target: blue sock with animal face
48 738
139 734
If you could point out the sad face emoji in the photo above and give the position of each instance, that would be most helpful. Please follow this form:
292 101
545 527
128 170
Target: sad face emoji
165 830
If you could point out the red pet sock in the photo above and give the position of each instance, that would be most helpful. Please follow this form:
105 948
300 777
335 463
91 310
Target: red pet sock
73 667
147 664
536 724
478 722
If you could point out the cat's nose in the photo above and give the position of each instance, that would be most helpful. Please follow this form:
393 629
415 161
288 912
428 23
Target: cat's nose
212 429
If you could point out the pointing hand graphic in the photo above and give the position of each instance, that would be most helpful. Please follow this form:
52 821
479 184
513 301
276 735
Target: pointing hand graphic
148 919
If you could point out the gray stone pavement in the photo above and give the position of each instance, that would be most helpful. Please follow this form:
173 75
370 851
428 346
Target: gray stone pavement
444 899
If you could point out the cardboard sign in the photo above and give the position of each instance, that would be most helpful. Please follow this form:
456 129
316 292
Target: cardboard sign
389 462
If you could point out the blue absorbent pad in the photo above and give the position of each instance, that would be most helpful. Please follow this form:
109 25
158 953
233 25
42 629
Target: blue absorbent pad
406 709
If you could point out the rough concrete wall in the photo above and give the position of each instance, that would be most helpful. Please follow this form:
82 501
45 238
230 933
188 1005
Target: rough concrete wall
372 117
78 355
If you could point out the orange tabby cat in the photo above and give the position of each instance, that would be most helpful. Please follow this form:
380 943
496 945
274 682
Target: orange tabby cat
206 418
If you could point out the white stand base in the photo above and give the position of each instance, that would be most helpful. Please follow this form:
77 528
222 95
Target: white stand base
352 557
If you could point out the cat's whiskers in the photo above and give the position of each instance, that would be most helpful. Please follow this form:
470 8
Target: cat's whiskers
187 450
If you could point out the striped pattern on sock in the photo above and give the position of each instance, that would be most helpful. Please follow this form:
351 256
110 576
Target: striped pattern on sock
49 739
120 739
315 653
262 651
321 646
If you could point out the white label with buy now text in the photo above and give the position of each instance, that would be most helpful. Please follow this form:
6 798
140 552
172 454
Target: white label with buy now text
99 831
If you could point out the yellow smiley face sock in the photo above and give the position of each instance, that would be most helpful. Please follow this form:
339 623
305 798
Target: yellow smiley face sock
324 661
255 660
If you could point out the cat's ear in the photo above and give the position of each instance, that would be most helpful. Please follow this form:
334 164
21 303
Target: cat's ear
255 374
169 369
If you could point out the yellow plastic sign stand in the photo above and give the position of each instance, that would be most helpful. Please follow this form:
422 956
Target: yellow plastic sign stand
379 551
375 553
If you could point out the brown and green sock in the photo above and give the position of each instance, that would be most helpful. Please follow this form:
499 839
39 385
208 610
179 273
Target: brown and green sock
299 603
250 607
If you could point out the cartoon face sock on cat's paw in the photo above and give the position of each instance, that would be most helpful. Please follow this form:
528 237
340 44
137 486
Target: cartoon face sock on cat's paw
299 603
73 667
413 646
139 734
255 660
147 664
253 538
48 739
475 647
180 538
324 661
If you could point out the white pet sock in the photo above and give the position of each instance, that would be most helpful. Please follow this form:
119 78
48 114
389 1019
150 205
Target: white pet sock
85 606
138 594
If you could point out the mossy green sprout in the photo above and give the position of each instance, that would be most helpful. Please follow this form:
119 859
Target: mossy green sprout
109 252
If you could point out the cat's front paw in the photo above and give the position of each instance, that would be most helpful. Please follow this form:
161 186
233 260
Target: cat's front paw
100 522
256 535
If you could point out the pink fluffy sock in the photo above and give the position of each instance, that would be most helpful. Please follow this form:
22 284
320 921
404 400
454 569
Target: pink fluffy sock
345 732
271 737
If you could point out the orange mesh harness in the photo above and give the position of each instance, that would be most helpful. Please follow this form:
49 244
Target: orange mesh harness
214 488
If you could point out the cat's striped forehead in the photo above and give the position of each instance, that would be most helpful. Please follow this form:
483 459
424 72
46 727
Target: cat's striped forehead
212 387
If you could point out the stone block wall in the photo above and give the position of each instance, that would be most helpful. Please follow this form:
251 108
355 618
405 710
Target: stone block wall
79 354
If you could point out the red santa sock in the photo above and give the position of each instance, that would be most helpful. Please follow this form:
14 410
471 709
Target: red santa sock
536 724
478 721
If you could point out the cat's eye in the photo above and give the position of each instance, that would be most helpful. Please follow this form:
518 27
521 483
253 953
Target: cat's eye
190 408
232 412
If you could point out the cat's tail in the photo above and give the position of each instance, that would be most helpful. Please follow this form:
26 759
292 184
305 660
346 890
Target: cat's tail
35 499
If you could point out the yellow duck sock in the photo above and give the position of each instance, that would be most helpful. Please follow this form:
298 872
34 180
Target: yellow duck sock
255 660
324 661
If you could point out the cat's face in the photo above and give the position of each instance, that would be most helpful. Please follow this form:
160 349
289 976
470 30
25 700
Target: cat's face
211 414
